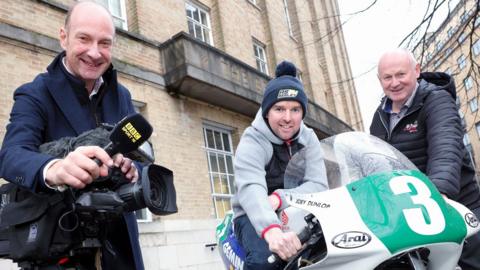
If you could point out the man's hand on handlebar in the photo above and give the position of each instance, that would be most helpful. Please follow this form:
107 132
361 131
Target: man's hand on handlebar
284 244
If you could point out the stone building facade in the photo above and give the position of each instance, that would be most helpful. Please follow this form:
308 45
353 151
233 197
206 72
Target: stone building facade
196 70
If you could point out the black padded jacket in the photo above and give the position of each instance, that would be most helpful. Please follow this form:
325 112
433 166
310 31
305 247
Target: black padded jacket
431 136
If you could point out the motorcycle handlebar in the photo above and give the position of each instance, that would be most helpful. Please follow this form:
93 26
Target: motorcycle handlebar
303 236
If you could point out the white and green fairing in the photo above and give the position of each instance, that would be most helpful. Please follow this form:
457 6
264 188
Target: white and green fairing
406 204
370 220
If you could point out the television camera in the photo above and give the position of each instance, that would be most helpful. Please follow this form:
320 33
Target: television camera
41 228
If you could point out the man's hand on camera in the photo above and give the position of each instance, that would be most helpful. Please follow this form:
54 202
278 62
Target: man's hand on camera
78 168
127 166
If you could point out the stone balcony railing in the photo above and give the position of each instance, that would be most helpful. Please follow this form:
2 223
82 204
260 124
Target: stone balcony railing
197 70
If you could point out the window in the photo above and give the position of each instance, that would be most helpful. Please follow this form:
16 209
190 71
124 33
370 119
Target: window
468 82
450 32
476 47
198 23
260 56
462 38
439 45
473 103
299 75
466 139
464 17
254 2
477 126
477 21
448 51
468 145
462 61
218 145
448 71
118 11
287 16
429 56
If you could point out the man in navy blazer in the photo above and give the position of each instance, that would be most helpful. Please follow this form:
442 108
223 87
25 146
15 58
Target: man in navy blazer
78 92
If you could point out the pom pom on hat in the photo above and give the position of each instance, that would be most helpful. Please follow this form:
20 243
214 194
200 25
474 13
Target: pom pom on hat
285 86
285 68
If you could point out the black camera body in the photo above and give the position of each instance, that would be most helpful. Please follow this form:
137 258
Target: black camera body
41 228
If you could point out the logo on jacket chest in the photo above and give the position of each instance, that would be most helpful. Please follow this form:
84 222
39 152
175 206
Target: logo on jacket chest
411 128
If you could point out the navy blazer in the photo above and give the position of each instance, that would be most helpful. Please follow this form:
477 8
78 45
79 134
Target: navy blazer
49 108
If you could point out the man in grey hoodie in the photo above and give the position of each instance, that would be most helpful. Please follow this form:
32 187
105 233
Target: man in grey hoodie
276 133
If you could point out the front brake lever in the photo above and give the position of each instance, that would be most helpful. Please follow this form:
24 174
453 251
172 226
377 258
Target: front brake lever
314 239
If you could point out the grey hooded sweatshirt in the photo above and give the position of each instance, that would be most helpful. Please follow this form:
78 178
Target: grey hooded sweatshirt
254 154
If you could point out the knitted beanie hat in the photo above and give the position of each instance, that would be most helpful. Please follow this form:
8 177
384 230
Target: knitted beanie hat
285 86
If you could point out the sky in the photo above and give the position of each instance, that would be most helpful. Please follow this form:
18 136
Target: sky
370 33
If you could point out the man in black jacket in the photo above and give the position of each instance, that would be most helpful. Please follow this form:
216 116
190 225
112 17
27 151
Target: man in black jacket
419 117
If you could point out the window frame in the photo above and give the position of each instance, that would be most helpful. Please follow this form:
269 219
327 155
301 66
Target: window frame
121 18
462 61
448 51
223 131
468 82
473 104
203 27
439 45
477 127
462 37
287 17
257 48
466 138
429 56
450 31
476 47
464 16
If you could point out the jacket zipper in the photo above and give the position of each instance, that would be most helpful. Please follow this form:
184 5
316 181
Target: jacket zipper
93 111
288 143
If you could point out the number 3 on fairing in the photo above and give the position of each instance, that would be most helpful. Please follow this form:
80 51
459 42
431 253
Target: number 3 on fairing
414 216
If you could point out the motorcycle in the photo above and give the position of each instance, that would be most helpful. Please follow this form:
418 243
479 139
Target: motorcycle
380 212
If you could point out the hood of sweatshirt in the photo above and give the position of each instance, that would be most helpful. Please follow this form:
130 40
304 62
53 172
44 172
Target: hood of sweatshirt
438 81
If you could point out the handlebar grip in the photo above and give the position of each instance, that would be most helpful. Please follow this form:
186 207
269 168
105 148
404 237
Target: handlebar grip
99 163
303 236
